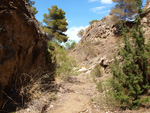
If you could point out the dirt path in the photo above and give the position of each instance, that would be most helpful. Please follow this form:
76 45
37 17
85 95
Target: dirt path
74 96
77 95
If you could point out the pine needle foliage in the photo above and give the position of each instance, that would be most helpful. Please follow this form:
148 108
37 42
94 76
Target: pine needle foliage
131 78
125 9
56 24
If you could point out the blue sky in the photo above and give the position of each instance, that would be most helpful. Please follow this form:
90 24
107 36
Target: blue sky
78 12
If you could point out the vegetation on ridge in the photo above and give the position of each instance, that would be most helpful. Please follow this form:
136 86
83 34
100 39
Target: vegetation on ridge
93 21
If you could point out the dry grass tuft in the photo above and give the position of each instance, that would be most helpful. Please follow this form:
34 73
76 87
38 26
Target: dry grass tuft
28 87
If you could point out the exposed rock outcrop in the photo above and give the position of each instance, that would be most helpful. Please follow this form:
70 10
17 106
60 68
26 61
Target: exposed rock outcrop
23 45
101 30
98 43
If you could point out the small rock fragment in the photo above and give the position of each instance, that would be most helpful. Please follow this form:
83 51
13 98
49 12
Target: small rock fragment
28 110
51 106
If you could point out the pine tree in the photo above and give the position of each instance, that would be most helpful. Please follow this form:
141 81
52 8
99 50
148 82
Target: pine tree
125 9
131 78
33 9
56 24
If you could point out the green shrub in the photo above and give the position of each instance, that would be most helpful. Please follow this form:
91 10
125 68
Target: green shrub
93 21
130 78
105 100
70 44
96 72
64 64
99 86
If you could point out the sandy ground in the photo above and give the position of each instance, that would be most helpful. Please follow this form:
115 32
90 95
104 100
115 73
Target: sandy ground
74 96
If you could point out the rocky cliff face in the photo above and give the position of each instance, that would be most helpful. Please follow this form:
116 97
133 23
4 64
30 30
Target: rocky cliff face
100 40
23 46
101 30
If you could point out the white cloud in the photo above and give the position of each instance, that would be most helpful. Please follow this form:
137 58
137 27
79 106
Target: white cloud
96 9
103 12
102 1
73 31
93 0
100 10
69 21
106 1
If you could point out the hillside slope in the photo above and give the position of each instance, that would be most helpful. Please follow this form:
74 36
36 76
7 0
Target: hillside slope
98 43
